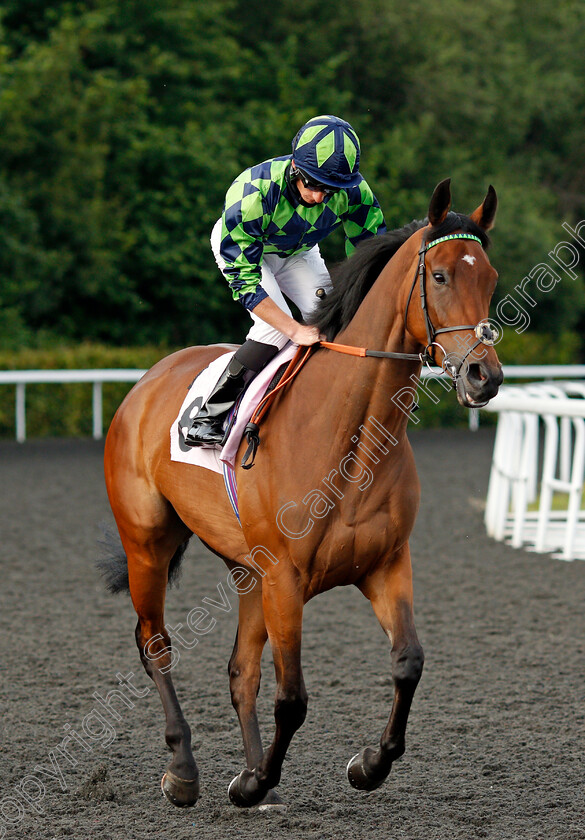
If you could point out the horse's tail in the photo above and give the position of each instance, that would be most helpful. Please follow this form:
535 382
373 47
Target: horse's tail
114 565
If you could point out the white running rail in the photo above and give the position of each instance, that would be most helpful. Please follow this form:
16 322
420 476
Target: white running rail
22 378
553 412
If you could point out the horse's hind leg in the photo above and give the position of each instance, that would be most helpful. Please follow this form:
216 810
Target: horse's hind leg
389 588
244 673
148 563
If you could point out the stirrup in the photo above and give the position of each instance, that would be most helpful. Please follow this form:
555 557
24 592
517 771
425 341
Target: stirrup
215 436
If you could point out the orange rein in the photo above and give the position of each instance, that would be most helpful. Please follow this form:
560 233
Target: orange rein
251 430
301 356
294 366
344 348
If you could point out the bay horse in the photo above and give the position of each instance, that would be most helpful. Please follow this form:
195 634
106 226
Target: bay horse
332 497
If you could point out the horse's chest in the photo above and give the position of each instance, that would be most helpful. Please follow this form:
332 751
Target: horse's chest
345 552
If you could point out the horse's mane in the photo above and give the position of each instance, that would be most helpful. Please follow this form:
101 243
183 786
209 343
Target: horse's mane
353 278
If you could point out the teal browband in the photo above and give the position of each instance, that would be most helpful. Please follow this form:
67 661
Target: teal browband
453 236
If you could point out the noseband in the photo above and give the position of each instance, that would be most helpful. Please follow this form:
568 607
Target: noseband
485 333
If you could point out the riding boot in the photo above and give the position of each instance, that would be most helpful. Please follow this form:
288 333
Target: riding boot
207 426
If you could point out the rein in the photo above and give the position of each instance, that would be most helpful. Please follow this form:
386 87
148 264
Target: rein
252 429
349 350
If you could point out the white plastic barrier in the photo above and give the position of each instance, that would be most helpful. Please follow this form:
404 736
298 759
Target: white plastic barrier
22 378
557 410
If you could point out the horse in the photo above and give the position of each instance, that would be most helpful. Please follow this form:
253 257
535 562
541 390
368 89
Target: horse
333 494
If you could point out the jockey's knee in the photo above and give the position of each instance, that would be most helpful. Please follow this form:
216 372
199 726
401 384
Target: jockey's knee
255 355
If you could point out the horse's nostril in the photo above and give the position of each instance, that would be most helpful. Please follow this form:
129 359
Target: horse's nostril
474 374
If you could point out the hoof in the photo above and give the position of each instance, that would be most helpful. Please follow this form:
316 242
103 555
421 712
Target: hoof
183 793
272 803
239 796
359 776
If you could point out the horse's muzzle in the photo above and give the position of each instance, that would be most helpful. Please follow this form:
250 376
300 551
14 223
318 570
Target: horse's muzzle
478 383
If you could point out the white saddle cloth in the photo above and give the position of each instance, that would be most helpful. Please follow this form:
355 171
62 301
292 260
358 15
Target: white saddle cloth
214 459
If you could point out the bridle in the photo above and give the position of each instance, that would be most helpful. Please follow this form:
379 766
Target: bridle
485 332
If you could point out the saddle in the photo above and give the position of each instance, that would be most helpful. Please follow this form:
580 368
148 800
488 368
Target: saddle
215 458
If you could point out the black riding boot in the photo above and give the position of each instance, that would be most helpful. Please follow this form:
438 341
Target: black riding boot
207 426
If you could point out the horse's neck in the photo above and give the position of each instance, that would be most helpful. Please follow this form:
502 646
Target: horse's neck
386 386
379 322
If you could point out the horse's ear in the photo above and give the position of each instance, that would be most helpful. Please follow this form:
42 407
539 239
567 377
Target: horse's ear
485 214
440 202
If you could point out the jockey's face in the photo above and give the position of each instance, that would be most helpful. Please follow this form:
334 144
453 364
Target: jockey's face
308 194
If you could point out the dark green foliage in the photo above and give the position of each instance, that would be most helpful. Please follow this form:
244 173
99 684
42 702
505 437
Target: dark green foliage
124 123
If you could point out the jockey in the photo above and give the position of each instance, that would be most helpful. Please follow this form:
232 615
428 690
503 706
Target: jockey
266 246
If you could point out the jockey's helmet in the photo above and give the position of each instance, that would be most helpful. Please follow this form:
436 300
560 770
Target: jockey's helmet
328 150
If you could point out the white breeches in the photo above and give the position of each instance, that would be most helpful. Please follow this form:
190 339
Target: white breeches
297 277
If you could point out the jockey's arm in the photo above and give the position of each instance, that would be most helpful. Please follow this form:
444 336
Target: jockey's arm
363 217
268 311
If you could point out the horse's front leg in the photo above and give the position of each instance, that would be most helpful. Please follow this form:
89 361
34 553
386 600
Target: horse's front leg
389 588
244 672
283 614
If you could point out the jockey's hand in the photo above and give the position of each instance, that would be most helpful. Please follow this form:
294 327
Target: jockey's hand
306 336
301 334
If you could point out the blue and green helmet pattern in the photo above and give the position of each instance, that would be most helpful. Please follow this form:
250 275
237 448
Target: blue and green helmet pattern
328 149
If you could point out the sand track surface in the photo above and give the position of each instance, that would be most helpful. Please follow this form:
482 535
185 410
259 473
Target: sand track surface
495 745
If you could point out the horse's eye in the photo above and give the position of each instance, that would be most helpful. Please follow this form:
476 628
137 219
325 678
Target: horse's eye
439 277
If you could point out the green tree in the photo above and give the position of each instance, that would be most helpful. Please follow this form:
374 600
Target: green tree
124 123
